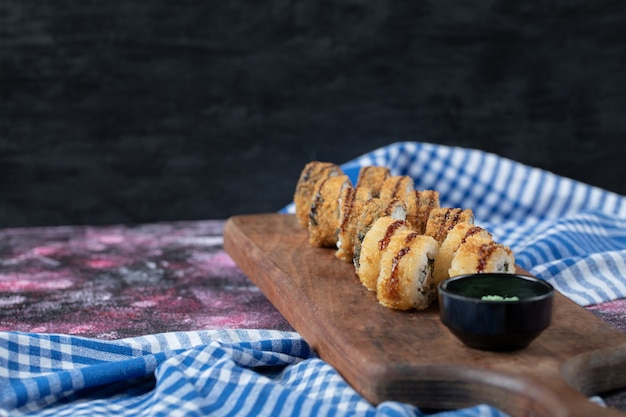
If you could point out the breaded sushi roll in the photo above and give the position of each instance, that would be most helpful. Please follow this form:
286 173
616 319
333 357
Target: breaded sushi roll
311 174
374 209
374 244
324 212
352 202
478 257
427 200
401 187
443 219
397 186
372 178
459 234
405 279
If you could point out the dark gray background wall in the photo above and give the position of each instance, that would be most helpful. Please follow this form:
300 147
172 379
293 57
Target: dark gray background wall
138 111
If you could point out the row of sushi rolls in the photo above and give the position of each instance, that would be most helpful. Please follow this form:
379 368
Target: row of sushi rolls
401 242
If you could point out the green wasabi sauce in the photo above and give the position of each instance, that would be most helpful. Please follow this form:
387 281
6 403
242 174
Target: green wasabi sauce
498 298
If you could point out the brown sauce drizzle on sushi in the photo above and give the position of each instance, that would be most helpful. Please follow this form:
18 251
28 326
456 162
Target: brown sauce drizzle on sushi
410 237
432 200
391 229
316 202
396 188
321 168
348 205
392 204
394 281
442 226
362 175
455 220
484 252
447 224
470 232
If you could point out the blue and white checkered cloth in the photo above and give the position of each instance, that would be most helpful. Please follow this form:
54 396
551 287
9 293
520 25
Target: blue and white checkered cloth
568 233
203 373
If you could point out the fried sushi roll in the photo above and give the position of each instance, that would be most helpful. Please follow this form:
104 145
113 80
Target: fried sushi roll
324 211
459 234
478 257
374 244
306 186
405 279
372 178
397 186
374 209
401 187
352 204
443 219
426 201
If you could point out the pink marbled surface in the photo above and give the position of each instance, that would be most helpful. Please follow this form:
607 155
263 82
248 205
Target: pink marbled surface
118 281
613 312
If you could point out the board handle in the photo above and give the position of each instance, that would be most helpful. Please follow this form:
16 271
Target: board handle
518 393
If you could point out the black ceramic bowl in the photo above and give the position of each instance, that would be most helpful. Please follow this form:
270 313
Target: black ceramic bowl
500 324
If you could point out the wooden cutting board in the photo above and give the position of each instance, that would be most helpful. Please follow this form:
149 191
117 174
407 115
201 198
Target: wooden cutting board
411 356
